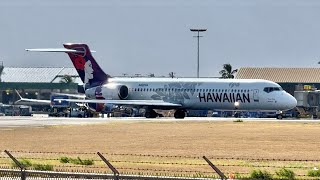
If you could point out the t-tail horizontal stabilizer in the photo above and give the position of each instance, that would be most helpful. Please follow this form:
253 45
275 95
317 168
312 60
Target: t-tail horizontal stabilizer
57 50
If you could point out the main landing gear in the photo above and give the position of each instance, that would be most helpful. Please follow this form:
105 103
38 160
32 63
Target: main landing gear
180 114
151 114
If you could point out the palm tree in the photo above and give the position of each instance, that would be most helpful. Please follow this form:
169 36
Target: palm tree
172 74
66 79
227 72
151 75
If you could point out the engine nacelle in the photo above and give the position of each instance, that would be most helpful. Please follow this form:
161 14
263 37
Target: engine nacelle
107 91
123 92
118 92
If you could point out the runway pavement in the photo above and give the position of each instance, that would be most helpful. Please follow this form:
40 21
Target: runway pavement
20 121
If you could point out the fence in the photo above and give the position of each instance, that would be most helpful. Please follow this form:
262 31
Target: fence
23 173
142 166
31 174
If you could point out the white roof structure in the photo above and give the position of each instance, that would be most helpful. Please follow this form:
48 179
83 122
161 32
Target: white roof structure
38 74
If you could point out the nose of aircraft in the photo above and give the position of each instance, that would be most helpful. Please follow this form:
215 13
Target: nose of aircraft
291 101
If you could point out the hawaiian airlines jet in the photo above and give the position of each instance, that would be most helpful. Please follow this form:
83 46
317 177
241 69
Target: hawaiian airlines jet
180 94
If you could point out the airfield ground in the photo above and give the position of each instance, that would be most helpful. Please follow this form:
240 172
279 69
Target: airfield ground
214 139
227 139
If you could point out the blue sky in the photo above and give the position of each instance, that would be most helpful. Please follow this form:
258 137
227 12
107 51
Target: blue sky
151 36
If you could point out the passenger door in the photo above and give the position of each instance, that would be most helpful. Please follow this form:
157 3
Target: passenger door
256 95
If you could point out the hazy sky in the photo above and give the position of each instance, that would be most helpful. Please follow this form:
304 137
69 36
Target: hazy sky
152 36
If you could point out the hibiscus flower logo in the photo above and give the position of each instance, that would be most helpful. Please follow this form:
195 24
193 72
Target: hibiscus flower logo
79 62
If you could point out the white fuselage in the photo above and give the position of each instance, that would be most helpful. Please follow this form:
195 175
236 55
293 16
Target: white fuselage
203 93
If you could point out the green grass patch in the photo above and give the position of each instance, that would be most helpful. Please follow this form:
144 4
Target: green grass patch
64 160
285 174
77 160
43 167
258 174
314 173
238 120
24 162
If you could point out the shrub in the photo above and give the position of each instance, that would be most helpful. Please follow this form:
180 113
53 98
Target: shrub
258 174
87 162
75 161
238 120
64 160
26 163
285 174
81 162
314 173
43 167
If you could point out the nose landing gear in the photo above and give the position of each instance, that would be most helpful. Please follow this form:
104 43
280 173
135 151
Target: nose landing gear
279 115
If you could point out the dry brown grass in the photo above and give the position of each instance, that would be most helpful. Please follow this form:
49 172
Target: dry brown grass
278 140
226 139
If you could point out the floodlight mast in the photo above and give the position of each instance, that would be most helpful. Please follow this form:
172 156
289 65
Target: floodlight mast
198 36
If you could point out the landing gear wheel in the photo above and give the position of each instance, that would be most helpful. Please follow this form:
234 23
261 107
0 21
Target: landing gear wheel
180 114
279 116
151 114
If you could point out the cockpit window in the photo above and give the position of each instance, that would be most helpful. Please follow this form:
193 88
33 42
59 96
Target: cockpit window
270 89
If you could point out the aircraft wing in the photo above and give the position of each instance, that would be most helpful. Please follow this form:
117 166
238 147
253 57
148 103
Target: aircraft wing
124 102
35 101
45 101
82 96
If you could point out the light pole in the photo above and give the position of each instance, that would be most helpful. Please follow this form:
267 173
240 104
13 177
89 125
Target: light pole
198 36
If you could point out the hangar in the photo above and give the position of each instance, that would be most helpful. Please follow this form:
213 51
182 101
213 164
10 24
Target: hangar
36 82
290 79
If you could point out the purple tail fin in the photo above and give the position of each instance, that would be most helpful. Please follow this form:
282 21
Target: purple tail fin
88 69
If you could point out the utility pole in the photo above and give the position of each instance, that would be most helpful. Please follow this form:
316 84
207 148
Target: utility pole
198 36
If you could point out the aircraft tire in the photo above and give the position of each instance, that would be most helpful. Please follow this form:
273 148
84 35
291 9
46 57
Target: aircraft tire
279 116
151 114
179 114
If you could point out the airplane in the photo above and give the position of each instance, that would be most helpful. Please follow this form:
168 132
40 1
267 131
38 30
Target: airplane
179 94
